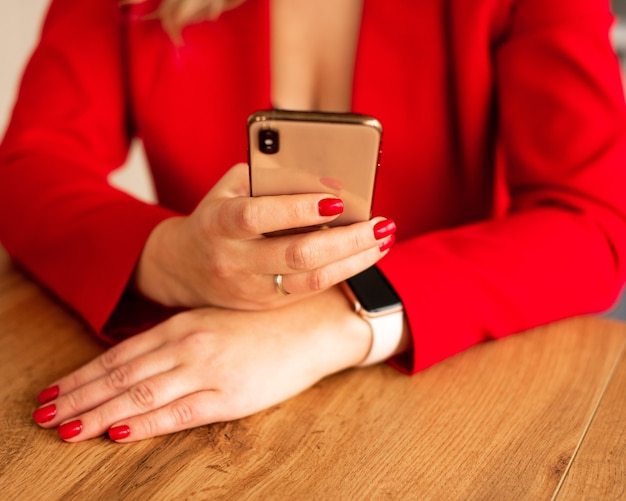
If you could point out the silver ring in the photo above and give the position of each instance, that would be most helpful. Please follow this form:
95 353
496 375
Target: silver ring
278 283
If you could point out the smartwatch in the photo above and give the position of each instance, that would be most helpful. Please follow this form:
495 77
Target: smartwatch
376 301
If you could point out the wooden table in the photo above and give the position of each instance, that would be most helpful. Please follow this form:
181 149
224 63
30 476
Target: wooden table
536 416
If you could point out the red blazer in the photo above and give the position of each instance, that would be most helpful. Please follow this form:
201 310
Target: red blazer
503 154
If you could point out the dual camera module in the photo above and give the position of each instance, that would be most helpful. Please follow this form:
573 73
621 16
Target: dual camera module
268 141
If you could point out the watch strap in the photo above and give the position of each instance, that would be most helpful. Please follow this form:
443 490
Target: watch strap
386 335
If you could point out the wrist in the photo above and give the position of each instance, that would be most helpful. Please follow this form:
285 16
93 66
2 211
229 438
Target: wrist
377 303
342 339
156 270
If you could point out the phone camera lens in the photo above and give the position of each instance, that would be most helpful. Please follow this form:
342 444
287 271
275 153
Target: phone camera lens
268 141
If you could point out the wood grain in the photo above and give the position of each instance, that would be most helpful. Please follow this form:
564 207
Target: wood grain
599 469
500 421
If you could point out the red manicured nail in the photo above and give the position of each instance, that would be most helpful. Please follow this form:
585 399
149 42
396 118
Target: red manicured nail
384 228
387 243
48 394
119 432
45 414
330 206
70 430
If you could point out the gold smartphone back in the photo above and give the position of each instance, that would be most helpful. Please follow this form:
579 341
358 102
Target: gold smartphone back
293 152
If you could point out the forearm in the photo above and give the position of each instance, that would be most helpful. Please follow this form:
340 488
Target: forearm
158 268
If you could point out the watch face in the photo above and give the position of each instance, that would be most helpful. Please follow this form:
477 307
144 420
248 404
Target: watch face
374 292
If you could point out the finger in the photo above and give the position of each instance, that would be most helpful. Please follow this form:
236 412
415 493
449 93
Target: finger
105 388
246 217
235 183
310 251
143 397
114 357
333 273
191 411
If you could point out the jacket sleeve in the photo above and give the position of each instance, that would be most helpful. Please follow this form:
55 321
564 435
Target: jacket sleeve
60 219
560 248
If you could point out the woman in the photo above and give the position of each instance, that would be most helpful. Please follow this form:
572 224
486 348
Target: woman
499 202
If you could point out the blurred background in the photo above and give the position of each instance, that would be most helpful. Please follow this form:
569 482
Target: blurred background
20 21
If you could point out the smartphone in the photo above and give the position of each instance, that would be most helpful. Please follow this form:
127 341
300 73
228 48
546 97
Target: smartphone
292 152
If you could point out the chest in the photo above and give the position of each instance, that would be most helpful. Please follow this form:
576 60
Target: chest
312 53
384 59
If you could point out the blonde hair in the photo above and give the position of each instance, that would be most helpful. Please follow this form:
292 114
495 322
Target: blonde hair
176 14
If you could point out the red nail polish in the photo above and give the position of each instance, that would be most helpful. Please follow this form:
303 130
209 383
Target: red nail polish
387 243
330 207
45 414
119 432
70 430
48 394
384 228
